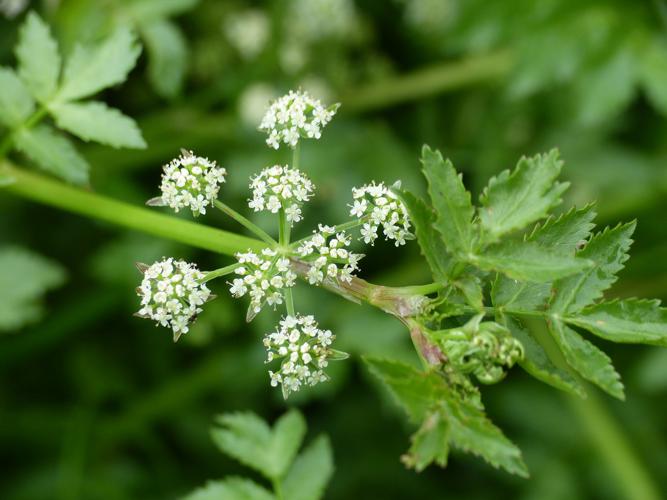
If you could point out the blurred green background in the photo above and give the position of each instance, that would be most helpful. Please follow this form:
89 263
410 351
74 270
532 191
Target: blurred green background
97 404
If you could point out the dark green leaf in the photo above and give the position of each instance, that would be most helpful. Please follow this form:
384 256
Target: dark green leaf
167 56
38 58
97 122
311 472
608 250
53 152
16 105
513 200
585 358
631 320
451 202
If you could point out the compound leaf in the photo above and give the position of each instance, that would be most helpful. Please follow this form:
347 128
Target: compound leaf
98 122
231 488
52 152
16 105
38 58
311 472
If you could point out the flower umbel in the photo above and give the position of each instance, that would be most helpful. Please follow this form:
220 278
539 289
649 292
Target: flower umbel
303 349
190 181
294 116
263 277
380 207
281 187
171 294
328 254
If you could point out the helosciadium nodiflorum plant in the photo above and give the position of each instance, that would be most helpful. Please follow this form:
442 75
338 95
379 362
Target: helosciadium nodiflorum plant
507 274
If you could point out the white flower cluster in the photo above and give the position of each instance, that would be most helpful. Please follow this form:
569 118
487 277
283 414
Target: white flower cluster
263 277
190 181
171 294
312 21
281 187
382 208
328 255
294 116
248 31
303 349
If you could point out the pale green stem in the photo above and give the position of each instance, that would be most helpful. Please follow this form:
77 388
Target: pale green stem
340 227
223 271
252 227
421 289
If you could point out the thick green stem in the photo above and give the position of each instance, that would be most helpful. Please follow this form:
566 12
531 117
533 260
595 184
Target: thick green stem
253 228
57 194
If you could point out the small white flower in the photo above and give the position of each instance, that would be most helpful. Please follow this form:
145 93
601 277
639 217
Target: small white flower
171 294
303 350
294 116
280 187
263 276
382 208
190 181
328 255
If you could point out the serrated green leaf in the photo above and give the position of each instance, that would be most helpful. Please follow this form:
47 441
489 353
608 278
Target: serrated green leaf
38 58
167 56
429 444
16 105
631 320
97 122
589 361
536 361
24 278
141 11
528 261
561 234
608 250
451 202
653 73
231 488
247 438
311 472
52 152
429 240
421 393
513 200
471 288
91 69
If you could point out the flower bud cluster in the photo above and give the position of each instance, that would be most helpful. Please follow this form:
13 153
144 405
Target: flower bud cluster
281 187
328 255
382 208
171 293
263 277
303 351
294 116
190 181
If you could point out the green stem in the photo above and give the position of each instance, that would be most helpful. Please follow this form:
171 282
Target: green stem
340 227
289 302
421 289
284 229
223 271
253 228
57 194
296 156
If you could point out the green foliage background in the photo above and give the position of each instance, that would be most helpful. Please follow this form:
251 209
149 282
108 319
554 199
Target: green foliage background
97 404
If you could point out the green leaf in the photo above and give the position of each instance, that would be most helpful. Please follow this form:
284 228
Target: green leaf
91 69
231 488
167 56
528 261
16 105
97 122
536 361
471 288
429 444
451 202
24 278
422 393
631 320
142 11
561 234
653 73
53 152
38 58
430 241
311 472
608 250
247 438
513 200
585 358
6 179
